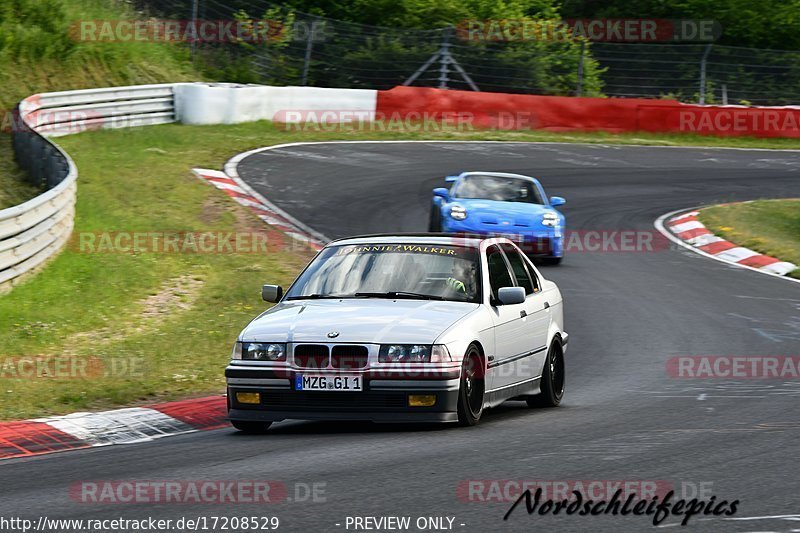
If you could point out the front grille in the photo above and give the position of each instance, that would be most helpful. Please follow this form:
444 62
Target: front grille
311 356
289 400
349 357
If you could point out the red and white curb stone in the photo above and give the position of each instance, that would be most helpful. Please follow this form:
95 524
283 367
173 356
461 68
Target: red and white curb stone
688 228
263 210
105 428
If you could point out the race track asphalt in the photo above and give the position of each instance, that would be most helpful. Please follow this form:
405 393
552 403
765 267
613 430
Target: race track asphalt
624 417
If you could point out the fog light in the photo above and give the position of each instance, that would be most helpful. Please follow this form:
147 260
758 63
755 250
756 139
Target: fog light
248 397
421 400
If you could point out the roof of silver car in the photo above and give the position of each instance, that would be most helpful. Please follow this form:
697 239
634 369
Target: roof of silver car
417 238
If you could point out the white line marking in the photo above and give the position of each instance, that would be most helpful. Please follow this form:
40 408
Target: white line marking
227 186
686 226
210 173
685 215
767 517
781 268
702 240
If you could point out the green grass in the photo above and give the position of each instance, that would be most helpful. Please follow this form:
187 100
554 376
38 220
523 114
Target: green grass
38 54
175 315
771 227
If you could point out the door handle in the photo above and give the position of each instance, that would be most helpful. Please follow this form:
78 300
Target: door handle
547 305
523 313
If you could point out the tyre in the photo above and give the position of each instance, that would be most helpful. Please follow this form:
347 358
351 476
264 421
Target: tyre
251 427
435 219
553 379
551 260
472 388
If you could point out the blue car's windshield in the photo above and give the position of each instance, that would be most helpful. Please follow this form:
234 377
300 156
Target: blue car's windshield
410 271
497 188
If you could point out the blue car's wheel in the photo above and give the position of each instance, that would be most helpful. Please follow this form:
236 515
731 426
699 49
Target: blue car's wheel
551 260
435 220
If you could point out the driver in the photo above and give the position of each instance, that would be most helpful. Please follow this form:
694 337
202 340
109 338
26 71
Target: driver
459 276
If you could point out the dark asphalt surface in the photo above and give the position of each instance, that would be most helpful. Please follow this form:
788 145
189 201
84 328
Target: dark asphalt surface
624 417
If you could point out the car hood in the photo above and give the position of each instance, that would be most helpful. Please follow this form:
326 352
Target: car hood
494 212
367 321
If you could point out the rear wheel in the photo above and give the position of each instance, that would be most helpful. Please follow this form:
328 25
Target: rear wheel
553 379
473 386
435 219
251 427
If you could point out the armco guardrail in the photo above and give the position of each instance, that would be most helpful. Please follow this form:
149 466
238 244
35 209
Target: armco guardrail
34 231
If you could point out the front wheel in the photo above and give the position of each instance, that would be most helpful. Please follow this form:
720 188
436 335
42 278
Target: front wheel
251 427
435 219
471 390
553 379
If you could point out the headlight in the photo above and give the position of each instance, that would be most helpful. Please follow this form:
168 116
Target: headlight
458 212
262 351
413 353
237 350
550 219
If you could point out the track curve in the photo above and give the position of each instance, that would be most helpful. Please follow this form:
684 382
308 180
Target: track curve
627 313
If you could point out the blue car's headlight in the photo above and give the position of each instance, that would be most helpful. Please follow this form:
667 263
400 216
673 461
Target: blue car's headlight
458 212
550 219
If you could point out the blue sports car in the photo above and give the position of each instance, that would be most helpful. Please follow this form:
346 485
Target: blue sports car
497 203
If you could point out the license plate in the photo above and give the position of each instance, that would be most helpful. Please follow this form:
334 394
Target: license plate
328 383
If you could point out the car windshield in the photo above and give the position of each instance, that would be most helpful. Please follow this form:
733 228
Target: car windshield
409 271
498 188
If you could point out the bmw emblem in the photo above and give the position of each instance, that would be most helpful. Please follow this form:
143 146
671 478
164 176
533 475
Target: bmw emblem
333 334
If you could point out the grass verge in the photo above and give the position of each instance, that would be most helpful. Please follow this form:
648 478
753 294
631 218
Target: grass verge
771 227
160 326
41 51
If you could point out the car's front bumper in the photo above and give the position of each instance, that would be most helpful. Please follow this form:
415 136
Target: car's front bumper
534 242
382 400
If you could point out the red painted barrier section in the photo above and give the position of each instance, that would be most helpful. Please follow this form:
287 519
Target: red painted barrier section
561 113
18 439
200 413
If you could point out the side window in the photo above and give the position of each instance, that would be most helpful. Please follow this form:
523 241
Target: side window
520 269
499 276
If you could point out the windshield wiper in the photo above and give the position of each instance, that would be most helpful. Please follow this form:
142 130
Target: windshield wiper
316 296
398 294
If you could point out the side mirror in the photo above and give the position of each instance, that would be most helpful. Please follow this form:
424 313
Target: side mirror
556 201
271 293
511 295
441 192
